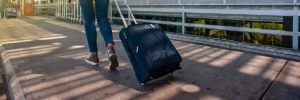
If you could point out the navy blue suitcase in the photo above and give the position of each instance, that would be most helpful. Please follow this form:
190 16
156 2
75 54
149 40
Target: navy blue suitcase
150 51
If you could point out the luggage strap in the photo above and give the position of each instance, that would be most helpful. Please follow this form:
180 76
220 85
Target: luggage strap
120 12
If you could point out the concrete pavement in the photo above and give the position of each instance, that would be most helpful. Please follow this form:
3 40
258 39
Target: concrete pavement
47 58
2 85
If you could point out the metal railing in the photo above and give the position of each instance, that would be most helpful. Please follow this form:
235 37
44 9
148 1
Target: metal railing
68 11
71 12
45 9
212 2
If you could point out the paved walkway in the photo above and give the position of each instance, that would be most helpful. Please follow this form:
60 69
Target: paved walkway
47 56
2 86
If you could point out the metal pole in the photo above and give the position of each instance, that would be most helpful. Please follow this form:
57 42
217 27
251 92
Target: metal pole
243 26
60 8
121 14
56 5
56 8
183 20
64 9
76 16
59 11
295 29
78 10
81 20
129 18
68 10
74 11
296 32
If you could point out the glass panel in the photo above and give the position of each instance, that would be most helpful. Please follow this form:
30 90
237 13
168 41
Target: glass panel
282 41
197 31
258 38
234 35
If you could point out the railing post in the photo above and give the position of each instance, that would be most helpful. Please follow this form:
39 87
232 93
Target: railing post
74 11
56 5
80 17
224 2
295 28
60 9
68 10
64 9
295 32
78 10
183 20
57 11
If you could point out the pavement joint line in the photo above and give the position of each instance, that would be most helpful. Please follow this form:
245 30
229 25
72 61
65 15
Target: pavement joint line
273 81
12 83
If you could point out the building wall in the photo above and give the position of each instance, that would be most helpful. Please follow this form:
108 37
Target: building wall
28 7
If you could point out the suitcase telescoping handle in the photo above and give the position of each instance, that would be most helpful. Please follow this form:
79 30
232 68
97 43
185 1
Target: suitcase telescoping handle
120 12
123 19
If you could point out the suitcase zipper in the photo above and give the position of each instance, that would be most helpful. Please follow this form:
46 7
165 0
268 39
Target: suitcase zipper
125 35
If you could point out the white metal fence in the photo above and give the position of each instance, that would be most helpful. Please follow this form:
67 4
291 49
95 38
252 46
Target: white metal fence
45 9
68 11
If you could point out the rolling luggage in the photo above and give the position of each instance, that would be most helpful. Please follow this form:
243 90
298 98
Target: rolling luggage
150 51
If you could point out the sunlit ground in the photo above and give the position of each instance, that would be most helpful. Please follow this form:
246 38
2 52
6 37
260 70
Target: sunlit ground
49 57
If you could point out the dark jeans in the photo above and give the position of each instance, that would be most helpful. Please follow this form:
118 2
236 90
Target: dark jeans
98 9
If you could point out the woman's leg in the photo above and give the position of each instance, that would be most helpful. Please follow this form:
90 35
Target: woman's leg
87 7
101 7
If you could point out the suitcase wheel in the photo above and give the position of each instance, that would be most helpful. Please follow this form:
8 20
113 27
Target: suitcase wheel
142 84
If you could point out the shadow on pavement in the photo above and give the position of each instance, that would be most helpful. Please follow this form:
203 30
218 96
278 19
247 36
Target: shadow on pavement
54 69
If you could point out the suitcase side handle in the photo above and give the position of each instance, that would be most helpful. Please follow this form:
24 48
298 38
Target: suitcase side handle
137 50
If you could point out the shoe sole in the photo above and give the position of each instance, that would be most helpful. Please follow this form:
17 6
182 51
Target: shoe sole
92 63
113 62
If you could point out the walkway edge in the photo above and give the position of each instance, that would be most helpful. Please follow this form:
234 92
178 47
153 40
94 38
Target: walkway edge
13 87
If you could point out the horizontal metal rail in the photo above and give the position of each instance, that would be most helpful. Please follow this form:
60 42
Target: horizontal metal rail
230 28
212 2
